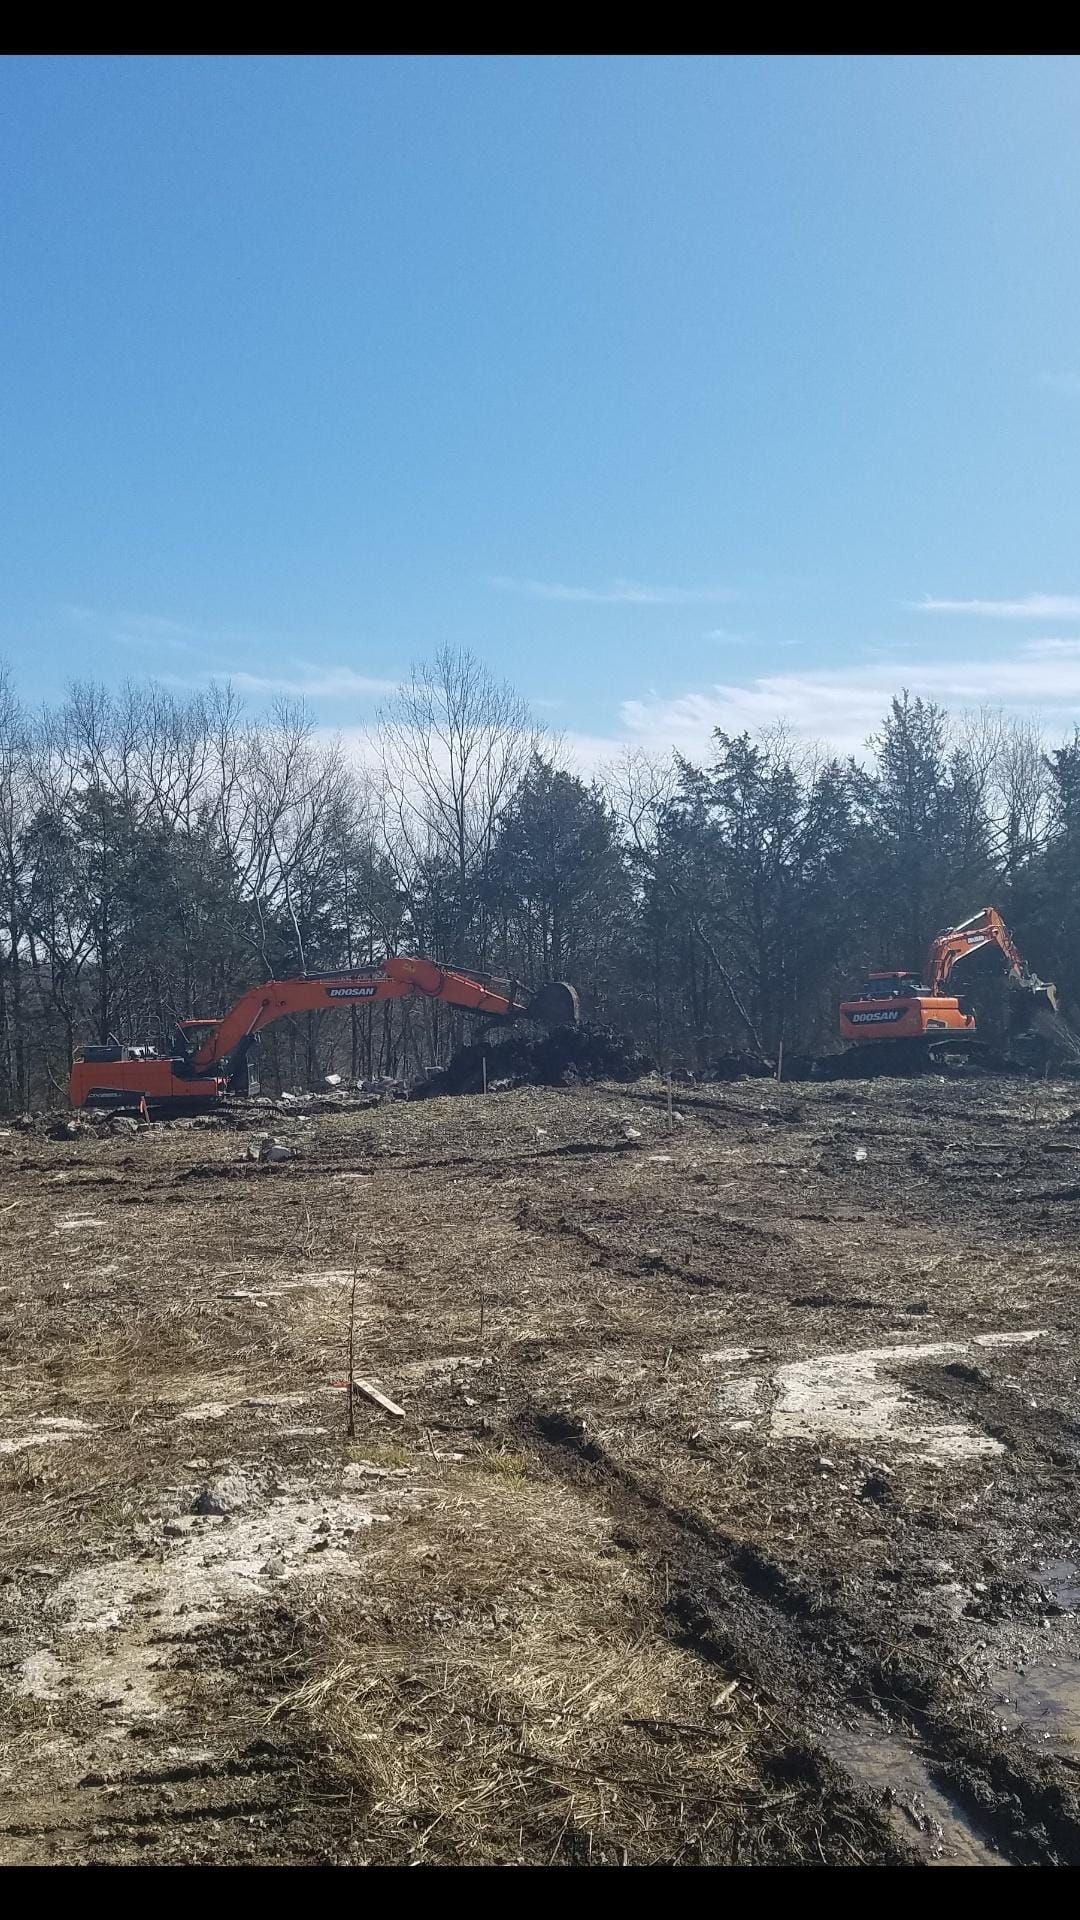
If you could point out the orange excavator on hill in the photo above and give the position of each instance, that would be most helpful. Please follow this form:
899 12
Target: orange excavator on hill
927 1014
210 1058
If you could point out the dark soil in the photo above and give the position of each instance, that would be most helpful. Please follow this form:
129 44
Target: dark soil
732 1516
555 1059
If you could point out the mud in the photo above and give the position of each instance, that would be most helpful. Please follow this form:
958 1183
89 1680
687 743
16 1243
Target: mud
732 1519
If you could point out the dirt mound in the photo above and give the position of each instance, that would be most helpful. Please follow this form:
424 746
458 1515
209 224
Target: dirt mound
738 1066
1061 1041
563 1055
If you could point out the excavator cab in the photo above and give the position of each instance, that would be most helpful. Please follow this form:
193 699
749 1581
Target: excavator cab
880 985
190 1034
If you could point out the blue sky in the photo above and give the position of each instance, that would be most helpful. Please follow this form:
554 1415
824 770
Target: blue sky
683 391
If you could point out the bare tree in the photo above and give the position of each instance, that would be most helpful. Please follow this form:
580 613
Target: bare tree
1022 794
455 741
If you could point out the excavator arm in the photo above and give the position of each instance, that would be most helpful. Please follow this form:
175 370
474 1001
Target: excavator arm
950 949
397 978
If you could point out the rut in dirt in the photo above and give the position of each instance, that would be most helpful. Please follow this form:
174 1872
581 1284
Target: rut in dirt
797 1643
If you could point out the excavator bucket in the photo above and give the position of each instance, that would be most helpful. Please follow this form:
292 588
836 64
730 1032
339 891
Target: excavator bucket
556 1005
1036 996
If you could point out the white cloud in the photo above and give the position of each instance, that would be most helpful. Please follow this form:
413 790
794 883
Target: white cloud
137 629
618 593
301 679
1048 649
1034 606
586 754
314 683
303 682
842 706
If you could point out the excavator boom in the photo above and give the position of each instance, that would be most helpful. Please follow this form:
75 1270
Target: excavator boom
950 949
209 1054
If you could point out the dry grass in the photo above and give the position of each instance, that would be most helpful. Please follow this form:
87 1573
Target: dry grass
495 1676
389 1454
503 1698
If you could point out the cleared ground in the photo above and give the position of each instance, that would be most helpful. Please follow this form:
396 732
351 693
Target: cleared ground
733 1517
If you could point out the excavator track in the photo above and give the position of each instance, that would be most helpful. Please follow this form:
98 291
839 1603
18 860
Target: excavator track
901 1059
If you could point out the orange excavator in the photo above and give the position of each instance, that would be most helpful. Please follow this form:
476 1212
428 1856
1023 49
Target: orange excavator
926 1016
210 1058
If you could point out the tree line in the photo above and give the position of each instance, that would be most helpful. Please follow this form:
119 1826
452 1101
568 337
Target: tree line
160 852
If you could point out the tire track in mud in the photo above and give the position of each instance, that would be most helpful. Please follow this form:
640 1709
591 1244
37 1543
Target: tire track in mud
1004 1412
731 1251
796 1643
192 1811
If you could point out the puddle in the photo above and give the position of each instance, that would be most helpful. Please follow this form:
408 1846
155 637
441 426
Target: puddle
853 1396
1043 1700
1061 1578
920 1813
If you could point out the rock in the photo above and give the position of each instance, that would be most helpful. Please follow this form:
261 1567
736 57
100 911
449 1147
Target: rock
878 1488
206 1501
826 1466
971 1376
274 1568
124 1123
268 1148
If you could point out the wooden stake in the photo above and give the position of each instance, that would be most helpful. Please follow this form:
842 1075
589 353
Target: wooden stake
483 1062
350 1420
780 1059
380 1399
670 1114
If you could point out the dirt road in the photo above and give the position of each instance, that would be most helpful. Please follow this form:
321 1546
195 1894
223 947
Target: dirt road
733 1515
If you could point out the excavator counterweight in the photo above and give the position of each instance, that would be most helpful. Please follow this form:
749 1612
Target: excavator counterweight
210 1058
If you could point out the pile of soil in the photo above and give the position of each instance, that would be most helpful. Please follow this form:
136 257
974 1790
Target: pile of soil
554 1060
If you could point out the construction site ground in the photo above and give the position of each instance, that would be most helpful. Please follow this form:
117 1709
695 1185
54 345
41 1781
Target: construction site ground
732 1516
